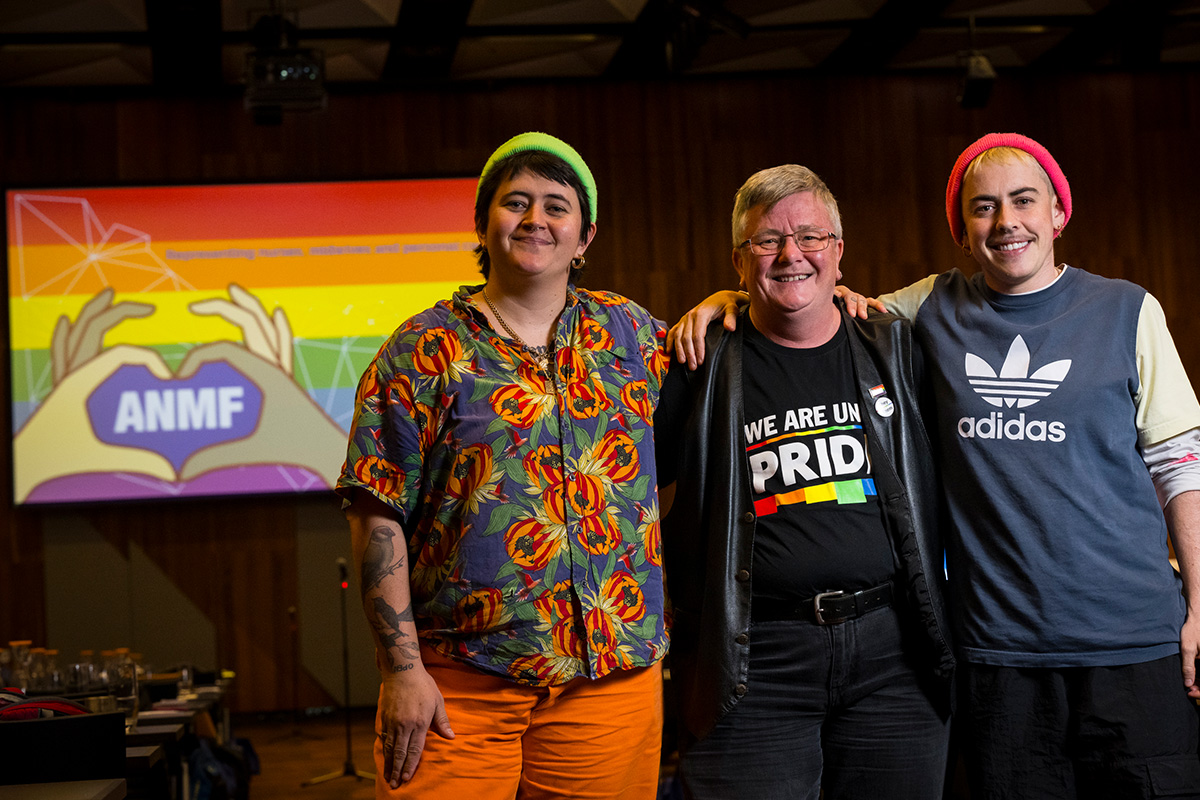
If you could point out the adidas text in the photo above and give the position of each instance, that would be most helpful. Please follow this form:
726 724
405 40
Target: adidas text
994 426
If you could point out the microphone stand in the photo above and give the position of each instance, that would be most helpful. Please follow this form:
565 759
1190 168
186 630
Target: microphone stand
348 769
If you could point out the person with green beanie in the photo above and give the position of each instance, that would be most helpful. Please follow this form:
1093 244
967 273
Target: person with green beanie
500 488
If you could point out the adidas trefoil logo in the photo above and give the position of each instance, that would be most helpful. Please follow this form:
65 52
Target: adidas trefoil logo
1014 386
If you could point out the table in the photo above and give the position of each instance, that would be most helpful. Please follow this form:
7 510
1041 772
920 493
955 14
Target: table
168 736
203 699
166 716
78 747
146 771
143 758
164 734
107 789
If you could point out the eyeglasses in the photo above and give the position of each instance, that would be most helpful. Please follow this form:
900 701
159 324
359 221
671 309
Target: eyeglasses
812 240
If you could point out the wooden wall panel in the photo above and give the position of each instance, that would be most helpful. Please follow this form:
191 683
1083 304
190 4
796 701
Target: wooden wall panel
668 158
236 561
22 564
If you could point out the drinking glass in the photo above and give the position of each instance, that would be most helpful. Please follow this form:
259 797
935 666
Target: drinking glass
184 687
123 684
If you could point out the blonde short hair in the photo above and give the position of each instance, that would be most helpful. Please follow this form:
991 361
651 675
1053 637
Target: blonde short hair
1005 155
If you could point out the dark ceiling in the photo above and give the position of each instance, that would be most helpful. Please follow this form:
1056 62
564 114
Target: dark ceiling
201 45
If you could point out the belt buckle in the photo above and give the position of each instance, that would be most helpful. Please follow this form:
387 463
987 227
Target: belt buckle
822 620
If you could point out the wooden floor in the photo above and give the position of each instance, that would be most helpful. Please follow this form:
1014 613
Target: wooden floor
292 750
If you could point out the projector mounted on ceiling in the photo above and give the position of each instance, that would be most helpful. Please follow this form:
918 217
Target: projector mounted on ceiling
281 76
976 85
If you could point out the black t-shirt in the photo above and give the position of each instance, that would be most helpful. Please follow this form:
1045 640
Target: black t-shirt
820 526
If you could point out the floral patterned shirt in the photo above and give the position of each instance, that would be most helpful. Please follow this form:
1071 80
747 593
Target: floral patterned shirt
528 496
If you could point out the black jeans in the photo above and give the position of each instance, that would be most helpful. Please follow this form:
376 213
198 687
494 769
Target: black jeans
1096 733
835 707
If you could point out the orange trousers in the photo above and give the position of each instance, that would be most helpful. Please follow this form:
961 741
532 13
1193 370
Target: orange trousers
592 740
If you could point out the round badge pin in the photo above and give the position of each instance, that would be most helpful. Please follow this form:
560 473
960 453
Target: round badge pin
884 407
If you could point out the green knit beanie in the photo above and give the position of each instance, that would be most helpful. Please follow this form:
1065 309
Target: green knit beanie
552 145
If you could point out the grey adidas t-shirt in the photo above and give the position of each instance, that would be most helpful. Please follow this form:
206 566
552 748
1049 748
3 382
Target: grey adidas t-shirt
1058 547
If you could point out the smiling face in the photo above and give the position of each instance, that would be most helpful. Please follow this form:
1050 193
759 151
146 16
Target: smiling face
792 286
1011 215
534 227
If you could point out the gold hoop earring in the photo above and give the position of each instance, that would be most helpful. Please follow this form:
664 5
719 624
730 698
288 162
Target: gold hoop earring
578 262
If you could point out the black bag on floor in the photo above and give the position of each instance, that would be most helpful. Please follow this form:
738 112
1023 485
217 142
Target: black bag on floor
212 778
234 757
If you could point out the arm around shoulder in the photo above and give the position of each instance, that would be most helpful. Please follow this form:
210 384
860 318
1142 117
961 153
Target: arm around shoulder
686 337
907 302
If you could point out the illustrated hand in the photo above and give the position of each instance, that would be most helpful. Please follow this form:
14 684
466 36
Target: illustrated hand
410 705
856 304
268 337
62 421
686 337
287 409
266 357
72 345
81 365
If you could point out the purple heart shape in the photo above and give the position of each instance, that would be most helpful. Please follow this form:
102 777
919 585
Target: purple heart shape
174 417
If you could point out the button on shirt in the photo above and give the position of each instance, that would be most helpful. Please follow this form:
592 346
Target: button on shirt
528 496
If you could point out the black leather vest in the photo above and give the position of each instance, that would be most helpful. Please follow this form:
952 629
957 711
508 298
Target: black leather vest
708 536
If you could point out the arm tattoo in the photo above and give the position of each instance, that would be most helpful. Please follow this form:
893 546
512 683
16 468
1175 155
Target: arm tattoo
411 651
386 622
377 562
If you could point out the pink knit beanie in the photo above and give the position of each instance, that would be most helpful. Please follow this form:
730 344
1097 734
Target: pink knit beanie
954 186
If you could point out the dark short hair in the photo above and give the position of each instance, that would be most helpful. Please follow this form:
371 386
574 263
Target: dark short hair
536 162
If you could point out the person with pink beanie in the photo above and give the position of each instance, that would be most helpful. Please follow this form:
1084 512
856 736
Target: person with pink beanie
1068 435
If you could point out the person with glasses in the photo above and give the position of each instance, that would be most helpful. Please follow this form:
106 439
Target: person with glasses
809 647
1069 441
500 488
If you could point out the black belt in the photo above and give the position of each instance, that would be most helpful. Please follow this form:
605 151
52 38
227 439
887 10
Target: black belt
827 608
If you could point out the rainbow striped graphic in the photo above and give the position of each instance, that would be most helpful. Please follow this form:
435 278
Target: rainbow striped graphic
851 491
855 490
310 278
